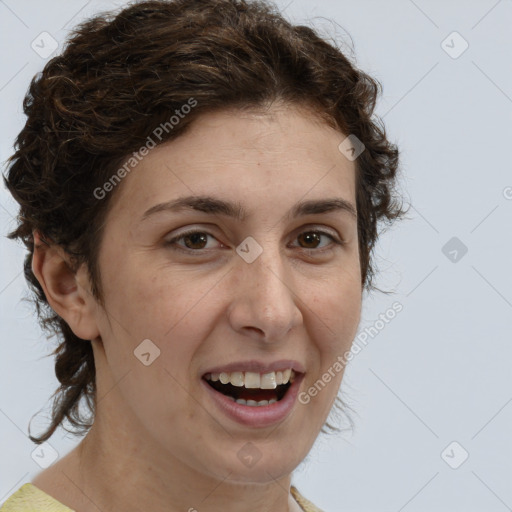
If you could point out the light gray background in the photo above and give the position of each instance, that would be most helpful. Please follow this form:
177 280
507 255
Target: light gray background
440 371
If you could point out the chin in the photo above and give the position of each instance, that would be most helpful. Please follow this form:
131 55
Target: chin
264 463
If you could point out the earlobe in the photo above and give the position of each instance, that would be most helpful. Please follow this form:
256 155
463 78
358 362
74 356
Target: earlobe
68 297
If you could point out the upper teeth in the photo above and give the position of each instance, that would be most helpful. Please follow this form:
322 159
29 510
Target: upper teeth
254 380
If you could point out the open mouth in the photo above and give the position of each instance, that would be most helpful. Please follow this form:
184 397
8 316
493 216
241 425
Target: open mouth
250 388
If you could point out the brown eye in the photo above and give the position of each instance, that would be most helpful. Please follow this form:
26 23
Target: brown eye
196 239
193 241
310 237
310 240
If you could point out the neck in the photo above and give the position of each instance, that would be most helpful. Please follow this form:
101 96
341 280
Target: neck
145 477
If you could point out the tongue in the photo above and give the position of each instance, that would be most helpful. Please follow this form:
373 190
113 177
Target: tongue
258 394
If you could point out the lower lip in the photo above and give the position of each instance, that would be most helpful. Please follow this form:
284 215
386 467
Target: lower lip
261 416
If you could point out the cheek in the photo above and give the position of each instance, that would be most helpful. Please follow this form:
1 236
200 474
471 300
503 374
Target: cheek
138 298
337 305
336 313
168 312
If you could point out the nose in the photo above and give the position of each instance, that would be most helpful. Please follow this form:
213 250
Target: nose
265 304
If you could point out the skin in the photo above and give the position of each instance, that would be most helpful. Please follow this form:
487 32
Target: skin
158 438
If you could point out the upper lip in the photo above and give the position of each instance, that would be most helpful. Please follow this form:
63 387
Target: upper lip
258 366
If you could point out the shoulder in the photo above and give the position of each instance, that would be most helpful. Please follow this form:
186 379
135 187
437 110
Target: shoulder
28 498
305 504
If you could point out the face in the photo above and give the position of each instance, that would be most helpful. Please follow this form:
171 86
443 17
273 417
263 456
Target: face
245 299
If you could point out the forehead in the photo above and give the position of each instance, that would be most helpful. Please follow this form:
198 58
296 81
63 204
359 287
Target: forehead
258 158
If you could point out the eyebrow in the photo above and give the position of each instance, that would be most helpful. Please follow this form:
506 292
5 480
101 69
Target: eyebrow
235 210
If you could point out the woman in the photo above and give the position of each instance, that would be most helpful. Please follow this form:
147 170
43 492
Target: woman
200 184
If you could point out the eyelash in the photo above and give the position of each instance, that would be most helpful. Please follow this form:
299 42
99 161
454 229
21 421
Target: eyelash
173 241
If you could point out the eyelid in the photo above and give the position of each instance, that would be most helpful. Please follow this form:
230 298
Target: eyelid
321 230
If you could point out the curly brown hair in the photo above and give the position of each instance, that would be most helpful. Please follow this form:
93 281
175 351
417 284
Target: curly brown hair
123 74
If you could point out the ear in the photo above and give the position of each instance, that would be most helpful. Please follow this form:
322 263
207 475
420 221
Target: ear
67 292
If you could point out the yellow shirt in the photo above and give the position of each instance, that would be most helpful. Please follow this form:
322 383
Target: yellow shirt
29 498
